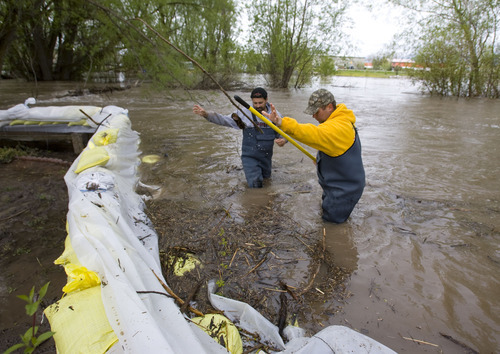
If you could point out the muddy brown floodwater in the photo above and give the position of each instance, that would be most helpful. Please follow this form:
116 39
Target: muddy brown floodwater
415 267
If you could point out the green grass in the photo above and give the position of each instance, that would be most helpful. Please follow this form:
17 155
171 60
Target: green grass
368 73
7 154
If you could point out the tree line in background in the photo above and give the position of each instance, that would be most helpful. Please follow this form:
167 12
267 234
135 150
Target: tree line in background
77 40
289 41
456 46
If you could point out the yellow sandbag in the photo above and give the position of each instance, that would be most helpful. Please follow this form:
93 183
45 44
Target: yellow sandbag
31 122
68 256
222 330
183 264
79 277
80 122
105 137
80 323
82 278
17 122
92 157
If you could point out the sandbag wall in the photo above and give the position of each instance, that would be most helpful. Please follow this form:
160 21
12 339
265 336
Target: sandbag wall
113 299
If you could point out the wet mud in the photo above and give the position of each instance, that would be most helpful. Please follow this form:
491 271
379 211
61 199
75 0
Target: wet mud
258 258
34 203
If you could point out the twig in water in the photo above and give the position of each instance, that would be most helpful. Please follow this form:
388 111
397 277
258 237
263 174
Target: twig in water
258 265
311 282
179 300
232 259
421 341
468 349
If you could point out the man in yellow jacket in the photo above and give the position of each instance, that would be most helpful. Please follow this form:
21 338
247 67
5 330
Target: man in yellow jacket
339 163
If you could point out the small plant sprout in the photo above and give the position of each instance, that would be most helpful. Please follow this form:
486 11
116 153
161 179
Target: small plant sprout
29 339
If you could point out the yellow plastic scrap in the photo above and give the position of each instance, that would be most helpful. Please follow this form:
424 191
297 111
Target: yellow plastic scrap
151 158
105 137
79 318
222 330
184 264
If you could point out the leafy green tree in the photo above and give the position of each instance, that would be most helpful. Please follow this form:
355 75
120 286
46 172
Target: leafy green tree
457 43
289 34
55 40
10 16
206 31
382 61
326 66
441 68
74 40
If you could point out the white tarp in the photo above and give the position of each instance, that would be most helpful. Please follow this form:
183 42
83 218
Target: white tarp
23 112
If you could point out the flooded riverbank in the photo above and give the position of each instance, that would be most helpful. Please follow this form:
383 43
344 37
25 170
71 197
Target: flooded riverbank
422 246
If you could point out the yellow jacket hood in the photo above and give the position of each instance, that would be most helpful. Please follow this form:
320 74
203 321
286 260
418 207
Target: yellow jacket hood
334 136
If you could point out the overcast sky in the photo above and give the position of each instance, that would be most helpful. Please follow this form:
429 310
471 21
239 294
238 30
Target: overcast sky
373 30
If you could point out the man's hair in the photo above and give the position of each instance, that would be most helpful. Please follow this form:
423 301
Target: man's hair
259 92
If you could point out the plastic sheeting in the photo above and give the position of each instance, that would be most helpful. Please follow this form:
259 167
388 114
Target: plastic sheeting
332 339
67 114
112 236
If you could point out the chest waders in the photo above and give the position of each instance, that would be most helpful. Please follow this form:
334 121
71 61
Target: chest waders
343 181
256 155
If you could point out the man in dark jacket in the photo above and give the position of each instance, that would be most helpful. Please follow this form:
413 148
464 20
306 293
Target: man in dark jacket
257 147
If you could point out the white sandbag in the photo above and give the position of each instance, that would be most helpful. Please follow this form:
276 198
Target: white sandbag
333 339
246 317
49 114
19 111
336 339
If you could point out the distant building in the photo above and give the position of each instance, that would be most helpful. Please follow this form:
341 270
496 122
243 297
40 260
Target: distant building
406 64
368 66
349 62
402 63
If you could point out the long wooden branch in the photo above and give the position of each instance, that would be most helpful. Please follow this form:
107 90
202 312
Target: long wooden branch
114 13
199 67
179 300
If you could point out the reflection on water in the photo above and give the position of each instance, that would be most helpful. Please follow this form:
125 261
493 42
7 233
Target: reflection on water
423 243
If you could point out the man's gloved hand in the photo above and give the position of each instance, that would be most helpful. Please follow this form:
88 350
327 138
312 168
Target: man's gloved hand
238 121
